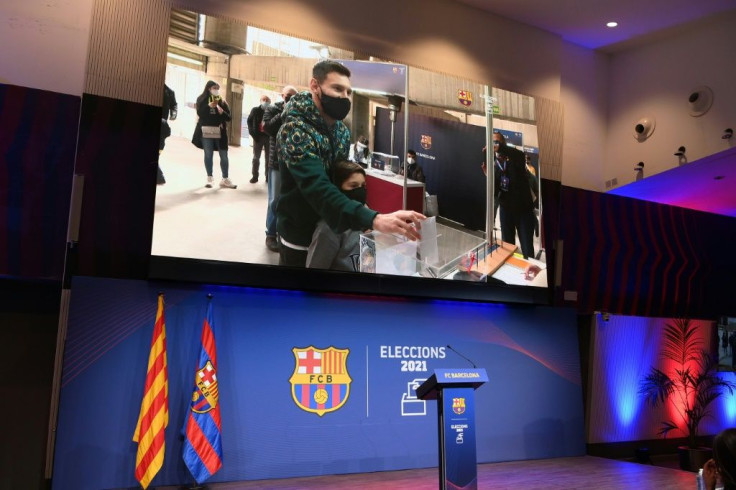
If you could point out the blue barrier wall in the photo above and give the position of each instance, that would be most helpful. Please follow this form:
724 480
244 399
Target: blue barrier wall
531 408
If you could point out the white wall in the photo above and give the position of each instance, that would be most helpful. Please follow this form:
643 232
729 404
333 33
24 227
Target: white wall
46 47
44 44
448 37
656 80
584 94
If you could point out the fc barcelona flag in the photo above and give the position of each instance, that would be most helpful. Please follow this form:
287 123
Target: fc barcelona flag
203 445
154 415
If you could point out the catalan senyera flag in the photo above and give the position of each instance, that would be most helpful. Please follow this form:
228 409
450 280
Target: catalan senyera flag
154 415
203 446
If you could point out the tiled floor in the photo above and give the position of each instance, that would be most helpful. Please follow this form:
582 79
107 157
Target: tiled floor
219 224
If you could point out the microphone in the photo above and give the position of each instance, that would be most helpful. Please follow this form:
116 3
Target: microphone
456 352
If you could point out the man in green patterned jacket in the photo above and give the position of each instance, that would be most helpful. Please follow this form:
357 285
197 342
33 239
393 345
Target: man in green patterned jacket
312 139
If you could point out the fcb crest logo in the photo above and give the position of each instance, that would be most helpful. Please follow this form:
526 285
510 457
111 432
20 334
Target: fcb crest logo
465 97
207 394
458 405
426 141
320 382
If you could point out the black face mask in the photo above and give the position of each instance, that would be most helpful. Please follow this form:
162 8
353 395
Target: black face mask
335 107
357 194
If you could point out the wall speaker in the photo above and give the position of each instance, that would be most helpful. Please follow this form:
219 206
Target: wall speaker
644 128
700 100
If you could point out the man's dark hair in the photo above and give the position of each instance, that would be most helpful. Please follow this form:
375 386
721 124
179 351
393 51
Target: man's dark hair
325 67
503 138
412 152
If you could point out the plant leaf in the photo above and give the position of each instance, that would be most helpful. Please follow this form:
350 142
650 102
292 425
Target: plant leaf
666 428
656 387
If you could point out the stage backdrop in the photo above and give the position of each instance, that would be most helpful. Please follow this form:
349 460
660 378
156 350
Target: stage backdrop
531 408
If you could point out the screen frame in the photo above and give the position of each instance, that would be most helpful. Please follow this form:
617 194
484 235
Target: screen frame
328 281
245 274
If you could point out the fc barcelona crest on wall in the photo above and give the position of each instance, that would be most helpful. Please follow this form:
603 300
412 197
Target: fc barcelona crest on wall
426 141
465 97
320 382
458 405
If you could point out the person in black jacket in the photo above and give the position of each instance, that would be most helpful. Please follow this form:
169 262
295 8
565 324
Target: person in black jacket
272 121
259 135
213 112
414 171
169 110
513 195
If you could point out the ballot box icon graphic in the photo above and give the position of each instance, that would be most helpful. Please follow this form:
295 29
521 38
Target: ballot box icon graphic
410 404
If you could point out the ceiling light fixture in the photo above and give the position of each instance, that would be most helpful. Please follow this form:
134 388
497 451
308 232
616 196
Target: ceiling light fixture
612 24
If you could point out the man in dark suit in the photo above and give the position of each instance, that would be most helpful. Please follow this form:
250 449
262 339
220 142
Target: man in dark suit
414 170
513 195
259 135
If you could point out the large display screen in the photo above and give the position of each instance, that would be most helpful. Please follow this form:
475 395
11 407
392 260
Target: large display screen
726 338
218 202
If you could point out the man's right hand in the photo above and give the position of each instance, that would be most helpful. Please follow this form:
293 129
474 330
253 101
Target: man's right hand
404 223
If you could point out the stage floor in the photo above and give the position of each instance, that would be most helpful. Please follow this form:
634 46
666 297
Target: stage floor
585 472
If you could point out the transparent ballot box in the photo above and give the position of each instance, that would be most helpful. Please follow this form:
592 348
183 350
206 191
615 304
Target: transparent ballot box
440 253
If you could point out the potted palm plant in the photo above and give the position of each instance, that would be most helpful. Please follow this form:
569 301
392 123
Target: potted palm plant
690 382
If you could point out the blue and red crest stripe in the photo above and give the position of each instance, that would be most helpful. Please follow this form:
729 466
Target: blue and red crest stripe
202 405
336 394
208 345
201 444
202 450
